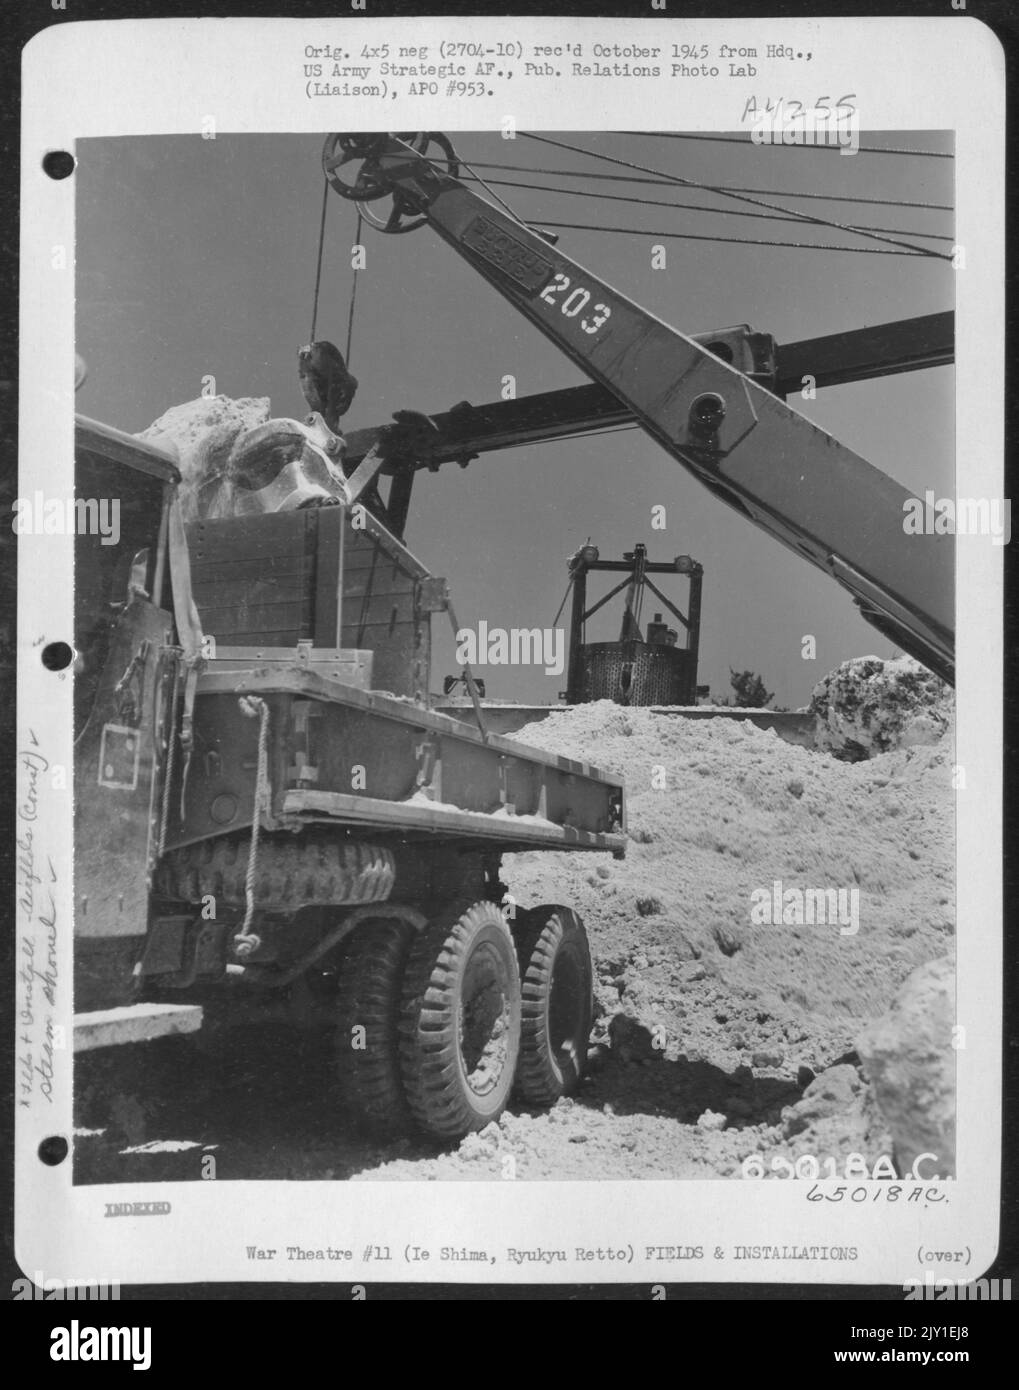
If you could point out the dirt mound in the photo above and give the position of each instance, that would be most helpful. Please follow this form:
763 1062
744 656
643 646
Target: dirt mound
717 812
910 1059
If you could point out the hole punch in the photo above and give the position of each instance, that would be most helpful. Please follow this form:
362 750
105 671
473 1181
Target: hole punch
58 164
57 656
53 1150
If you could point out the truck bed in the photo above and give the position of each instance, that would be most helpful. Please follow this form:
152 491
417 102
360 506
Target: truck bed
365 759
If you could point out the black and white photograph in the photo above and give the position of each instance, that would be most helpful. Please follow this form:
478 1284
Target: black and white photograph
521 572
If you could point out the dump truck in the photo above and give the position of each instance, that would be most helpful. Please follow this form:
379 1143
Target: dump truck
272 821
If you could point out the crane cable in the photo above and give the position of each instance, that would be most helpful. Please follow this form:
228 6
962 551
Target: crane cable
353 289
744 140
692 207
318 273
559 610
919 251
747 241
492 193
785 214
742 197
318 266
692 236
666 181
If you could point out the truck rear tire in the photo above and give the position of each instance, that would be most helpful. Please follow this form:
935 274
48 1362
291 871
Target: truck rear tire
557 989
460 1022
368 997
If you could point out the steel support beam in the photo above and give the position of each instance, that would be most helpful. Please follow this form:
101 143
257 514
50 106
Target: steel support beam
906 345
886 349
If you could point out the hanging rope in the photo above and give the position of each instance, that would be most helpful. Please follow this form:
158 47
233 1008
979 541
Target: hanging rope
741 197
245 941
171 758
318 267
353 291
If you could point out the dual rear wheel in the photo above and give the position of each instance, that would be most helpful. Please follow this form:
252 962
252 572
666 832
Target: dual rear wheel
437 1026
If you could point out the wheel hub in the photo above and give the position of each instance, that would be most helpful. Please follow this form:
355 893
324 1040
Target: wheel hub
484 1028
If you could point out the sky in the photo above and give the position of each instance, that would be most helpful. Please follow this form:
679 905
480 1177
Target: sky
197 257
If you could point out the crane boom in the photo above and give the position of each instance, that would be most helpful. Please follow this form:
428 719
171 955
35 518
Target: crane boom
743 443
